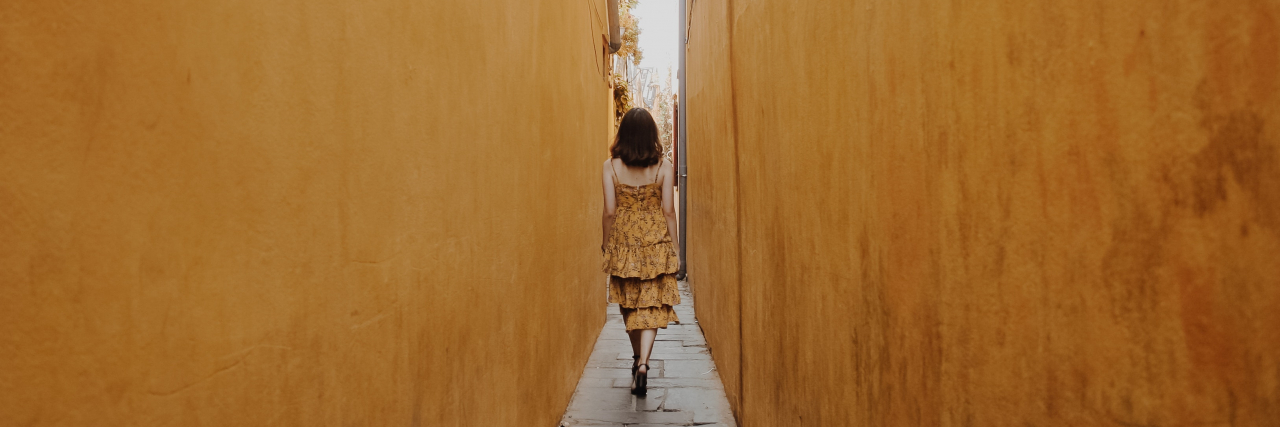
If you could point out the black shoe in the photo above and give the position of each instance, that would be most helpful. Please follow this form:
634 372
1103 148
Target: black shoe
635 365
642 380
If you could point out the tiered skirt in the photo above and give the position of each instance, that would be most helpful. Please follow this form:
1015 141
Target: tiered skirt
645 303
641 263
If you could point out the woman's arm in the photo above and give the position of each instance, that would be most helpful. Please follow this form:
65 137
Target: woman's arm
610 204
668 202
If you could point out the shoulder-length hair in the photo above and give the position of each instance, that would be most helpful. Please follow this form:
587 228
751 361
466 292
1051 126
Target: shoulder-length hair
637 141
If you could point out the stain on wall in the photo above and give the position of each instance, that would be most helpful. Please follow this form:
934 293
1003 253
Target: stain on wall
299 212
988 213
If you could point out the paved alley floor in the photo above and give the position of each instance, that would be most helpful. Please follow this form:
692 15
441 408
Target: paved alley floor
684 387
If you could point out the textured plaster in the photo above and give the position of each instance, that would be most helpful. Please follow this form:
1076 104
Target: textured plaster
298 212
988 213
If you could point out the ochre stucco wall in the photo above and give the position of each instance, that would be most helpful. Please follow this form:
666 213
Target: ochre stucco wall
362 213
994 212
713 227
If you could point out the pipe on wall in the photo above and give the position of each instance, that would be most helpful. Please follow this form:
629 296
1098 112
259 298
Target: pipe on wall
615 29
682 149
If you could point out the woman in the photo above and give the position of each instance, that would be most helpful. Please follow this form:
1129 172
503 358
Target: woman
639 237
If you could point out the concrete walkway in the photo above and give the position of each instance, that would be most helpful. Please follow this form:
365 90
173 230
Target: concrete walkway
684 387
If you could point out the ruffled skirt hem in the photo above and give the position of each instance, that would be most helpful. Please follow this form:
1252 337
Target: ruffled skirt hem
641 262
631 292
646 303
648 317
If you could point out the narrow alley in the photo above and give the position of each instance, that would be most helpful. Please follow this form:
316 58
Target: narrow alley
401 213
684 387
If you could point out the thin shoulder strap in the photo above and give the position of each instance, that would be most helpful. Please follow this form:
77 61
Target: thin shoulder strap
615 172
658 172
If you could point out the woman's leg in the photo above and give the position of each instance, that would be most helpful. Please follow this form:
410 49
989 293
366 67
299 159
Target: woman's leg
647 336
634 334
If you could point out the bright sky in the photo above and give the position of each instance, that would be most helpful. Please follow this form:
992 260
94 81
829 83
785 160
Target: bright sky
659 35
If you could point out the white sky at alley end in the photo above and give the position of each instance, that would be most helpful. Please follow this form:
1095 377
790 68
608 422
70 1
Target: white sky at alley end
659 23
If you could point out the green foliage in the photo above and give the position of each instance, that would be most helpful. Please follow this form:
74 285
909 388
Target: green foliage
630 32
621 98
630 51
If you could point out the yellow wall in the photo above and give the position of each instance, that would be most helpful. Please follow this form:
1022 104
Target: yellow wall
712 233
298 213
994 212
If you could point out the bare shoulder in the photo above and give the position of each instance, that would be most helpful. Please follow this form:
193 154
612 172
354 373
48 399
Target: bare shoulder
664 169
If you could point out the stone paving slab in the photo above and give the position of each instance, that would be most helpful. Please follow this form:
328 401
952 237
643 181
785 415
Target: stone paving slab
684 339
689 368
624 373
622 364
634 417
672 382
606 399
652 401
705 410
670 356
684 387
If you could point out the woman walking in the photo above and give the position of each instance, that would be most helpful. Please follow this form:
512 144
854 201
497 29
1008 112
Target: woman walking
639 237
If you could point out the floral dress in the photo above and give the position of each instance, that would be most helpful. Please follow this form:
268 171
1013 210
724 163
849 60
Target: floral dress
641 259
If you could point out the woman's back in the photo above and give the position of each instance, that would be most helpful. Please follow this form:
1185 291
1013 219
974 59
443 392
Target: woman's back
641 197
640 245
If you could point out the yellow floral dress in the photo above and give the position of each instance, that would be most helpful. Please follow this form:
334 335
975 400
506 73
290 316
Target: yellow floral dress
641 259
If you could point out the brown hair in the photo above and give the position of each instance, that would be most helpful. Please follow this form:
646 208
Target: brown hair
637 141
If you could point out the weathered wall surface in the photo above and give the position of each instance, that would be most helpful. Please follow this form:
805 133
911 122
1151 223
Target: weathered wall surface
299 212
712 234
993 212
